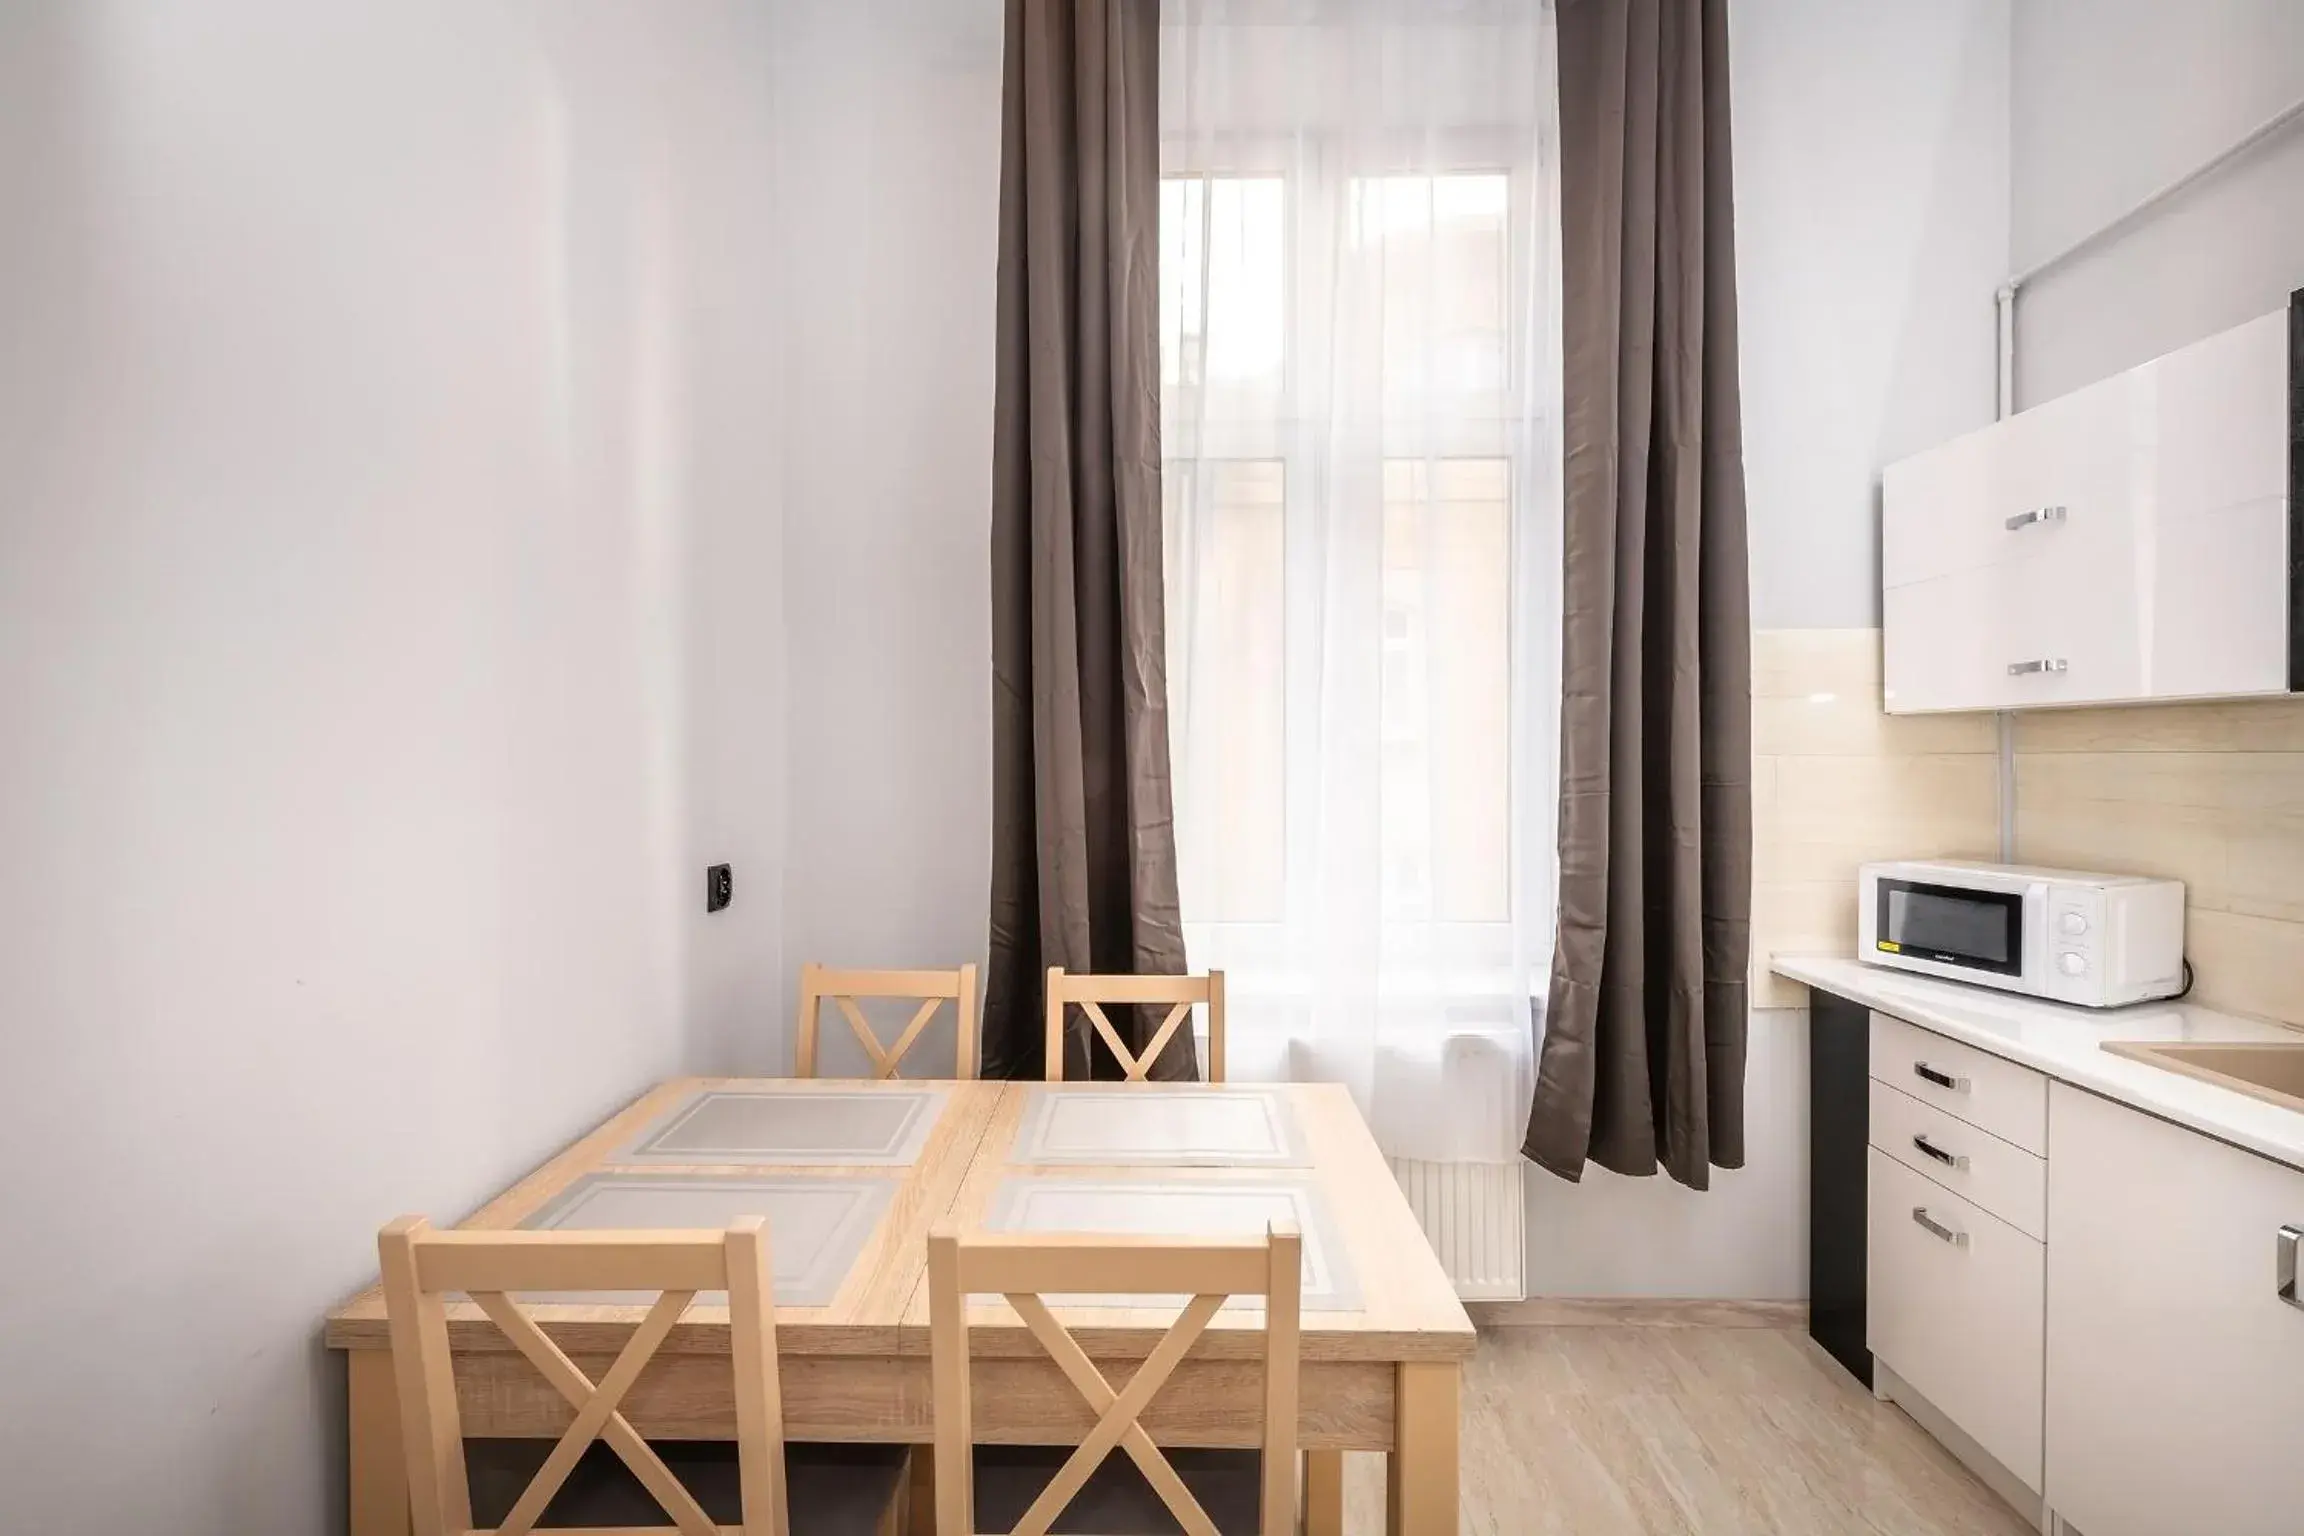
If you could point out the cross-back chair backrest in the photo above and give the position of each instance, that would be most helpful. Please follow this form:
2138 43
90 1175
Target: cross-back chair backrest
1027 1267
930 988
425 1268
1090 993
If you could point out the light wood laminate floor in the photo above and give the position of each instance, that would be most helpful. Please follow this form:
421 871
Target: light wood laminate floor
1716 1431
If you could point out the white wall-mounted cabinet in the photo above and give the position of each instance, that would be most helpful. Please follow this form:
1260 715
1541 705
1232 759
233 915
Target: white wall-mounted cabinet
2129 542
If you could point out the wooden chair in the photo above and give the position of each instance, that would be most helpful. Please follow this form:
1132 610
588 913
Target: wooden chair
574 1483
932 988
1090 992
1025 1267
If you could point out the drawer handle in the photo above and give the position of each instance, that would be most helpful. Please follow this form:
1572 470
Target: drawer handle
2046 665
1937 1228
1921 1069
2037 515
2289 1237
1948 1159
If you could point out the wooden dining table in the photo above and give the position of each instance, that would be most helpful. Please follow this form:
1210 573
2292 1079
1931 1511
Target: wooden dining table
853 1175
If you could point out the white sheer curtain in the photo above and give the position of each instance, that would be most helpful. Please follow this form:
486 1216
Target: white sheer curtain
1359 330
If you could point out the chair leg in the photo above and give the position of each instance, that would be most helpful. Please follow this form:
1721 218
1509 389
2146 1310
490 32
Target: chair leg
1323 1493
920 1493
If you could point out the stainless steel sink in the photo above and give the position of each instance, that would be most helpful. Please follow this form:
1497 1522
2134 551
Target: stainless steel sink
2270 1071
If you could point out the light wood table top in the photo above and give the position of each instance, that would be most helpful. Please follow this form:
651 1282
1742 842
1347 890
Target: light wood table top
1403 1305
1406 1307
862 1318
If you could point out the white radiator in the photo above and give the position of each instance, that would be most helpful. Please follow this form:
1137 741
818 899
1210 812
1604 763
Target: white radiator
1476 1216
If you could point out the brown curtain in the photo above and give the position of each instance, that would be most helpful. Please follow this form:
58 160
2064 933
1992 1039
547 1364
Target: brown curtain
1083 849
1643 1051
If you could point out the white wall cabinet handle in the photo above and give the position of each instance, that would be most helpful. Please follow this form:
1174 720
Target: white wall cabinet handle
2037 515
2286 1265
2045 665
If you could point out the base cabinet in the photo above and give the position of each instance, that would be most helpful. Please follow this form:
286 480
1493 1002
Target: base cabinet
2175 1371
1955 1311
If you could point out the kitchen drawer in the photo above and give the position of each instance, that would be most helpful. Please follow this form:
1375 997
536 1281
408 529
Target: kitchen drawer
1957 1308
2000 1176
1972 1085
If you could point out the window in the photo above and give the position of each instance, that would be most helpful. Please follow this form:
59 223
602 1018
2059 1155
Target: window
1359 395
1446 692
1271 352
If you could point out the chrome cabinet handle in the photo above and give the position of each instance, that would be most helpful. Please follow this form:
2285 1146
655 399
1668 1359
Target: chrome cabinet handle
1948 1159
2047 665
2036 515
1937 1228
2286 1250
1921 1069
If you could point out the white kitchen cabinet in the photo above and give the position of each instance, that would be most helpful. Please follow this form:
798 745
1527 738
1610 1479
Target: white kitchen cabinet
2127 542
2175 1372
1955 1310
1987 1091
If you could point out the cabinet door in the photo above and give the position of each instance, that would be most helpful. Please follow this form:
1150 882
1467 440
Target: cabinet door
1936 510
2221 419
2175 1375
2216 569
1954 1308
1946 641
2217 625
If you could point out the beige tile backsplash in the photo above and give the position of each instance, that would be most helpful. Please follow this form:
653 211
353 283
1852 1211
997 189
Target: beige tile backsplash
2212 794
1836 783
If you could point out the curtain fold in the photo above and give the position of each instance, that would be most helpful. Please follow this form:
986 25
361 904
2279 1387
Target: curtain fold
1642 1056
1083 847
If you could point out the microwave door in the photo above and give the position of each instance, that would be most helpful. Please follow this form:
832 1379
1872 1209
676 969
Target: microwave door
1950 925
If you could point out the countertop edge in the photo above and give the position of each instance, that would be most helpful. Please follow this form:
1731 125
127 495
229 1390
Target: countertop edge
2223 1114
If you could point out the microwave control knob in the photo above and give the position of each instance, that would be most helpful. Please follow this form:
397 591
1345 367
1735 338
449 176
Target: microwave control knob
2071 964
2073 923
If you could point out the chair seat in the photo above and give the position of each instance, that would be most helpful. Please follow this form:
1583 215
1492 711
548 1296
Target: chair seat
1116 1500
833 1490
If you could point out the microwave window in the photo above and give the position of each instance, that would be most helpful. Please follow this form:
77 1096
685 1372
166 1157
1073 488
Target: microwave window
1973 930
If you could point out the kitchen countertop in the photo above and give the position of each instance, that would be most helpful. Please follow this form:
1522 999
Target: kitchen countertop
2065 1042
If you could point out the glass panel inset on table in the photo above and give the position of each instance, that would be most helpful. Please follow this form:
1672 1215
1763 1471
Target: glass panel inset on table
1178 1208
1167 1127
816 1226
790 1127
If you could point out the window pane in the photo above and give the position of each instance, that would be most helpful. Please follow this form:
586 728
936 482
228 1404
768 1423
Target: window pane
1434 250
1227 637
1446 711
1222 282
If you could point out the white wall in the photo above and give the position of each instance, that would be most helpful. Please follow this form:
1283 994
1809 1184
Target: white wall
890 195
1871 164
2114 99
1746 1236
373 393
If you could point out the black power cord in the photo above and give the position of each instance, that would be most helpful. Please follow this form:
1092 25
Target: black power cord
2187 992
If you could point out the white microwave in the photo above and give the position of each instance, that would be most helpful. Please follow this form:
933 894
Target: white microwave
2095 940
